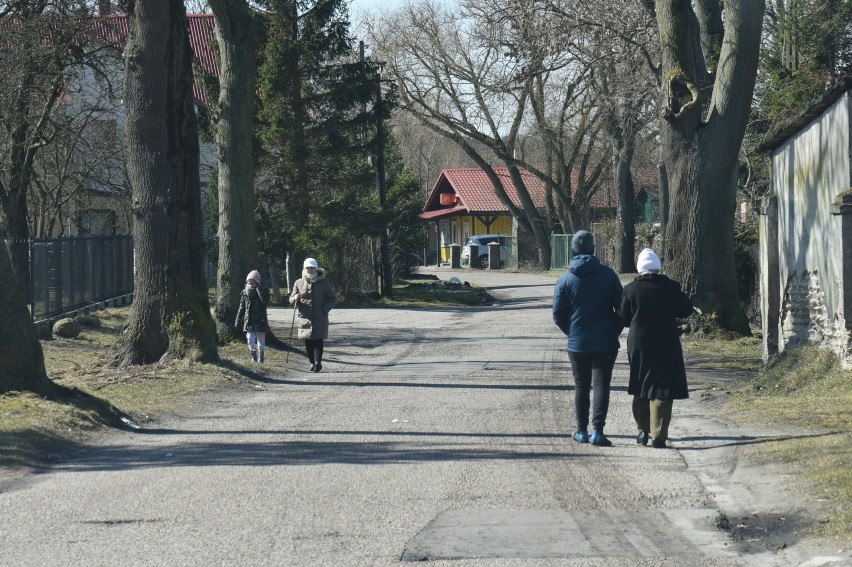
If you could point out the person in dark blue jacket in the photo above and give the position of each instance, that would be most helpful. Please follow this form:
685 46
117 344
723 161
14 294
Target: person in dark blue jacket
586 300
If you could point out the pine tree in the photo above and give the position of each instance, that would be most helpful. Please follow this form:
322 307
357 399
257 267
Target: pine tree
317 96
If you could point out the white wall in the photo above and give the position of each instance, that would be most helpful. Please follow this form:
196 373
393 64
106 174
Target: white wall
809 171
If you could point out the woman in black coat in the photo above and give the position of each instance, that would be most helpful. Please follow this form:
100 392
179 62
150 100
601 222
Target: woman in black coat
650 306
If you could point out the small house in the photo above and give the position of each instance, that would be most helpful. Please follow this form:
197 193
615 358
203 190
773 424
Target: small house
463 202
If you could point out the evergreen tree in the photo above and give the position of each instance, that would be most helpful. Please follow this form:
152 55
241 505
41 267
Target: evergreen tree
317 190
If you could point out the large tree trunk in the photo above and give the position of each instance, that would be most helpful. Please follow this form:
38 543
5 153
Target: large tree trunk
622 135
236 37
702 129
626 212
170 315
21 357
19 242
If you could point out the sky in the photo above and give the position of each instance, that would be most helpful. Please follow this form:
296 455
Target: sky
357 7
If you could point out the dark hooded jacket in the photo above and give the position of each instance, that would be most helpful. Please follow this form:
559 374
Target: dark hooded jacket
251 315
313 300
585 305
650 307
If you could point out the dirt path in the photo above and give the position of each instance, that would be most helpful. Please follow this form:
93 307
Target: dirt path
431 435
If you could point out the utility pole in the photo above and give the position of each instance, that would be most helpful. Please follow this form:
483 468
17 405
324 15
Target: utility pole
387 272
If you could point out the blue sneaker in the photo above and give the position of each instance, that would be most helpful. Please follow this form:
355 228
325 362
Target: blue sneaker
598 439
581 437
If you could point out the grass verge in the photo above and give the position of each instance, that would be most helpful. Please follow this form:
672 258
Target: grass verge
426 290
807 388
35 430
804 388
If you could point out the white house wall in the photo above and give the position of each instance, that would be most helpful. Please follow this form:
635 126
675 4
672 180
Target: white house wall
809 171
103 100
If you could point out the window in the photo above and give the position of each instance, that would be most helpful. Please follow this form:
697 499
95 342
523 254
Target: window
94 222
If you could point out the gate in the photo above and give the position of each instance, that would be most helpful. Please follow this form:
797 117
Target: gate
560 251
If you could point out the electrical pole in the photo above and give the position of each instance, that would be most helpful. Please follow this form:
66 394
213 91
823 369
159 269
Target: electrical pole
387 272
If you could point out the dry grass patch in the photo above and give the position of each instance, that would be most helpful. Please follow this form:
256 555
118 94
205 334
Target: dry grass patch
807 388
34 430
739 353
426 291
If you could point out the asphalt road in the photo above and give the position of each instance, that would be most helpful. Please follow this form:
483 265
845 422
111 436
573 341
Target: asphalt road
430 435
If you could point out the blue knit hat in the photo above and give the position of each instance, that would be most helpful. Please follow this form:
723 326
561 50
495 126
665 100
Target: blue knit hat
583 242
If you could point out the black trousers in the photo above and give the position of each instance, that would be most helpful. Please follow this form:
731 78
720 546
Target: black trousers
314 349
592 373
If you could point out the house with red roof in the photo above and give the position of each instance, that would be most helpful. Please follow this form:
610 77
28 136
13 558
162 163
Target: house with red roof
105 209
463 202
102 207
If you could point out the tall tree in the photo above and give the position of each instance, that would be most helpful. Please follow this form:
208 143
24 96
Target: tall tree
170 315
42 42
489 77
317 127
709 65
620 49
21 357
236 35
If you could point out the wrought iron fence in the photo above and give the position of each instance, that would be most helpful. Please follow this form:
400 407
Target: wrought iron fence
67 274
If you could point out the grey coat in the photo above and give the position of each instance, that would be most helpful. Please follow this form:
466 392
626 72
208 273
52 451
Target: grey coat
313 301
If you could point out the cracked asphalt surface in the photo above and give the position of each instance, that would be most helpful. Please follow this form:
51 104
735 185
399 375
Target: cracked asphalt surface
438 435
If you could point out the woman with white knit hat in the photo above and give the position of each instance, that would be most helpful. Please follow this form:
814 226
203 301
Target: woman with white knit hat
650 307
313 298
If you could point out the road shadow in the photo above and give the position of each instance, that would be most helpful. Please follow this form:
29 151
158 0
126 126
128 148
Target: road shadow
301 452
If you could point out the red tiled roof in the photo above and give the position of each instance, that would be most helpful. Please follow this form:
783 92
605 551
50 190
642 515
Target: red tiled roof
476 194
112 31
113 28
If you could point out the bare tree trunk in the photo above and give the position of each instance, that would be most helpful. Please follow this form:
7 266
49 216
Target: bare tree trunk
664 203
236 37
170 315
626 212
702 130
21 357
19 247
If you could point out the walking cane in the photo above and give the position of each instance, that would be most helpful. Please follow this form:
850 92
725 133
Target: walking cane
290 341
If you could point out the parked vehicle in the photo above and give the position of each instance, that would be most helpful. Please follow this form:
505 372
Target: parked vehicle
483 240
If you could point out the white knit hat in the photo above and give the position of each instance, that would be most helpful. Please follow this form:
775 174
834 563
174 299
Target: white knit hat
310 263
648 262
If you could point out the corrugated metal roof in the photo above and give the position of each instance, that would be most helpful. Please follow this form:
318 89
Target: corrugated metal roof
476 194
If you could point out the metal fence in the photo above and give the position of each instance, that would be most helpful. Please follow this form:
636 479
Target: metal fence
67 274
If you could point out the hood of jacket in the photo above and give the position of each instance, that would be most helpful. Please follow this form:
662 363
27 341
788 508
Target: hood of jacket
320 275
583 265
